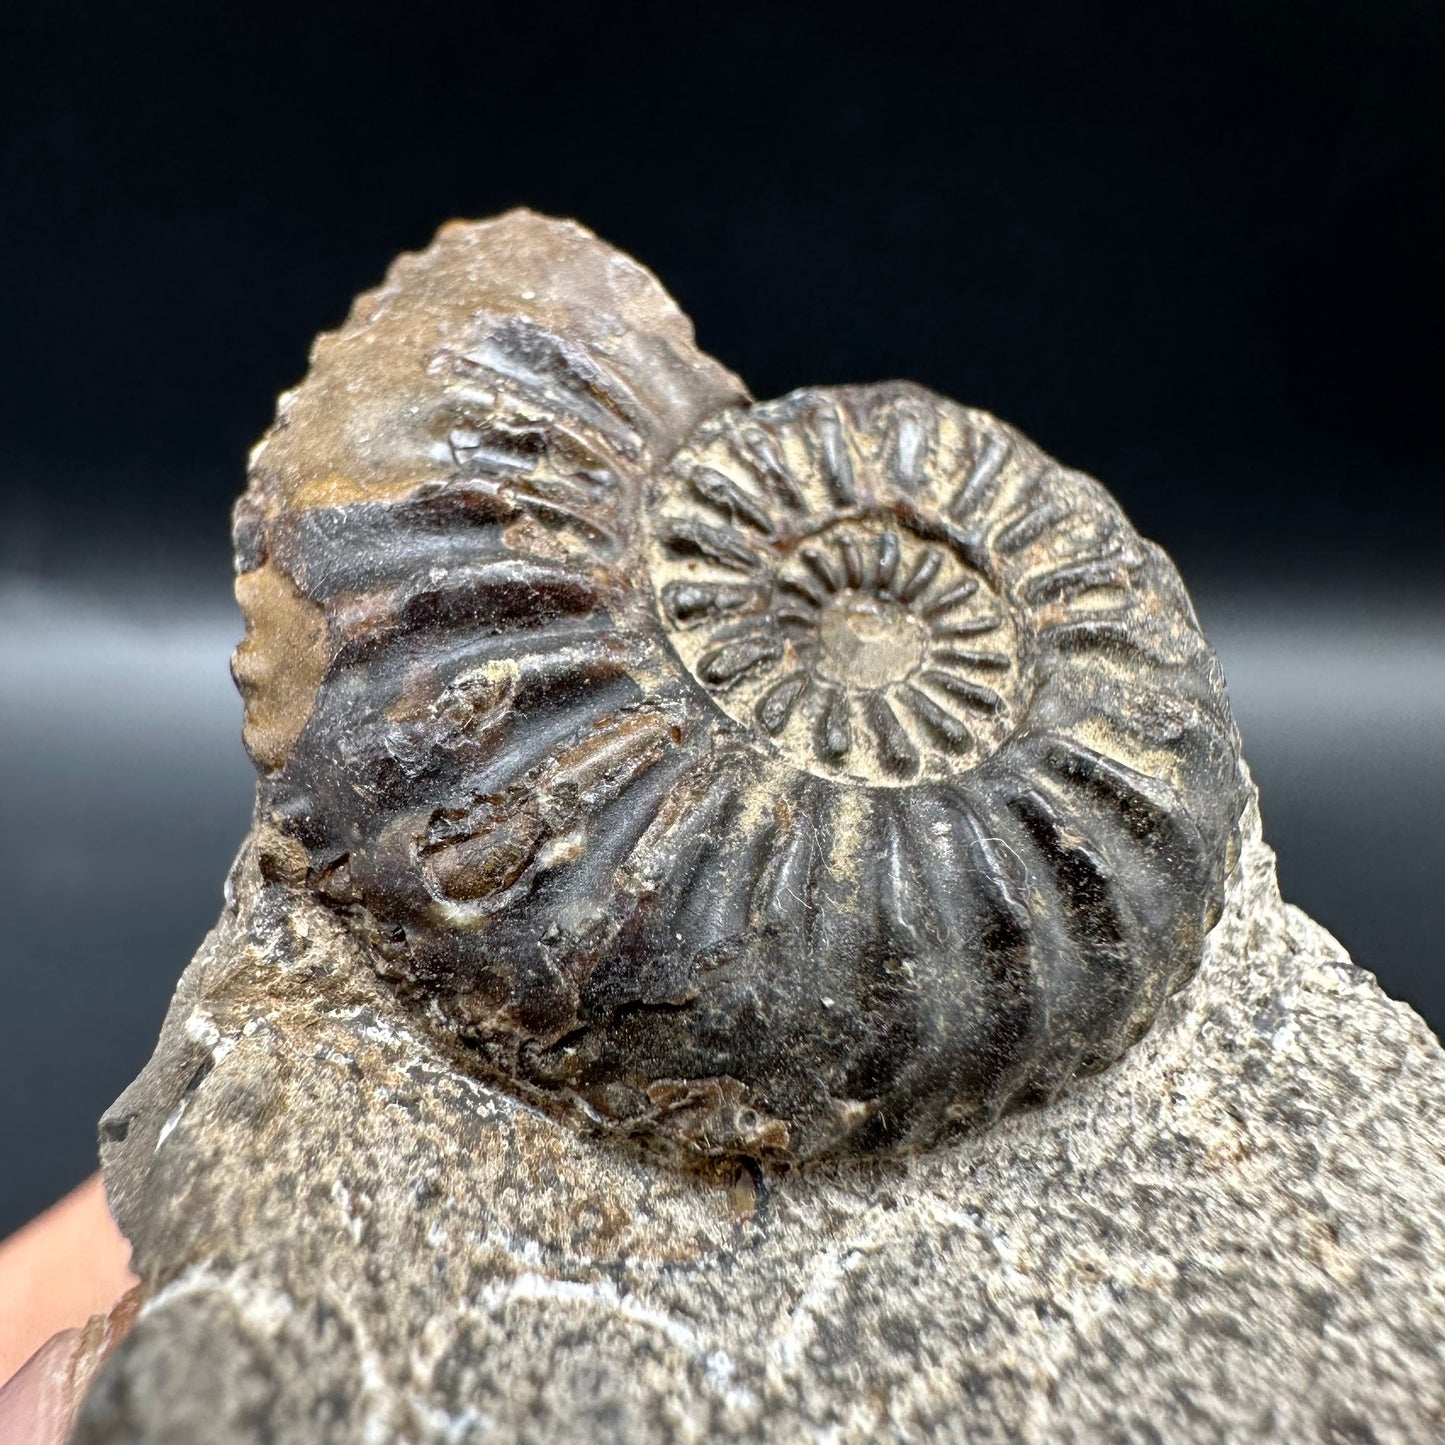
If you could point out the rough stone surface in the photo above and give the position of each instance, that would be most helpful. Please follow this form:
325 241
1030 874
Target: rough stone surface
1238 1233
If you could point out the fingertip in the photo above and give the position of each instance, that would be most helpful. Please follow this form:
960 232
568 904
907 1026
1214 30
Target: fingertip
65 1266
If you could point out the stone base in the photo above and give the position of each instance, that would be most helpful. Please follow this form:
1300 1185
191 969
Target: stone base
1237 1232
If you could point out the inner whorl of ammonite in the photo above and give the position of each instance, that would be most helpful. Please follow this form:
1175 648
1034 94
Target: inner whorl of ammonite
809 585
829 775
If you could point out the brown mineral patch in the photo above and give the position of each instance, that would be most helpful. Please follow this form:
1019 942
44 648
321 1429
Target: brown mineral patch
339 491
280 663
281 859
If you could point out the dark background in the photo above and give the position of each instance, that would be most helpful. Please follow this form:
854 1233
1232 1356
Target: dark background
1194 250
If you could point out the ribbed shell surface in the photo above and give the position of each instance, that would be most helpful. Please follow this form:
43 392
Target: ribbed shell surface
825 775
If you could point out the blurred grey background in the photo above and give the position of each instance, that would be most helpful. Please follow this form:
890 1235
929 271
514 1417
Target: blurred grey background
1194 251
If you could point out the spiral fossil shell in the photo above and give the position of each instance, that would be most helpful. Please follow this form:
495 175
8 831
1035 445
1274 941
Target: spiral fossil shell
819 776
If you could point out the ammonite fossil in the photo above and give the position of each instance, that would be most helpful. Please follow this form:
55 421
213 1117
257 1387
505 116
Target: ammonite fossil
817 776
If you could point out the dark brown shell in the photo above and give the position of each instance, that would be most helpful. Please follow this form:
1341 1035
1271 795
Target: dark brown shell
825 775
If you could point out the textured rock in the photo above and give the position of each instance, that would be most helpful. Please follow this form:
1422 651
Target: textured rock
1237 1233
658 790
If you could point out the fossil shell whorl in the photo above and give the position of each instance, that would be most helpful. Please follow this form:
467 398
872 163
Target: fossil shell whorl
825 775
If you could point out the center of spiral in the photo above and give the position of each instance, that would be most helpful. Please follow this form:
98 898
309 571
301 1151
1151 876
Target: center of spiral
802 577
868 643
